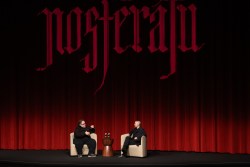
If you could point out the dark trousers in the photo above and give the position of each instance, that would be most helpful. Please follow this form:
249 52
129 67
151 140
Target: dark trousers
128 141
91 143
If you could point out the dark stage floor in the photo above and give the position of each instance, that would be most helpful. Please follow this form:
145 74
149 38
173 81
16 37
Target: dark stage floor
62 158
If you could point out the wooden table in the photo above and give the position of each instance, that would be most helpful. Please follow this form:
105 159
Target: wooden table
107 147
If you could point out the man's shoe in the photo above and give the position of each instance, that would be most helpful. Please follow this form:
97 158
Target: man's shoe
124 153
79 156
91 155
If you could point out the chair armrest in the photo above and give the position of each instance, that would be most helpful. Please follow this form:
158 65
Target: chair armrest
71 138
144 142
123 138
124 135
93 136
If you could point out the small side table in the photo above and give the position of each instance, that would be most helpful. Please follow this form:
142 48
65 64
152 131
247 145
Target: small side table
107 147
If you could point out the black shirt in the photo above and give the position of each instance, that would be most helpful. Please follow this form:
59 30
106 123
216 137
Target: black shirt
137 132
79 132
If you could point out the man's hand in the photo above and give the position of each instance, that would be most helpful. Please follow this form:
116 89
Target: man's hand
92 126
135 138
87 133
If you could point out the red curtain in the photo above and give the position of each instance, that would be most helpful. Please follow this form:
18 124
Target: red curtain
177 115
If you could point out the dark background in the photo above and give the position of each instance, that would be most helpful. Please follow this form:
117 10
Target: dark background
203 107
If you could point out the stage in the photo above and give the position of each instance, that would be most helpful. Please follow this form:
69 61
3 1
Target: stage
155 158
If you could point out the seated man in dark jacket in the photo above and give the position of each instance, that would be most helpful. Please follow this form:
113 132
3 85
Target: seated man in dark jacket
82 136
134 137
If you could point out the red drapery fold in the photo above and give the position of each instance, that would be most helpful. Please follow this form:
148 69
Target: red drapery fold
175 117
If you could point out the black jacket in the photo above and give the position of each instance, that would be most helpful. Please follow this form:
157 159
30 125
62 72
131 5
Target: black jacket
79 132
137 133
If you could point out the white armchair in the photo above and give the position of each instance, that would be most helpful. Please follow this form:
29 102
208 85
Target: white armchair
85 149
134 150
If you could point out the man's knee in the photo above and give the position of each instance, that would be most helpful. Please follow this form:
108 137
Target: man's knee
127 138
92 142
